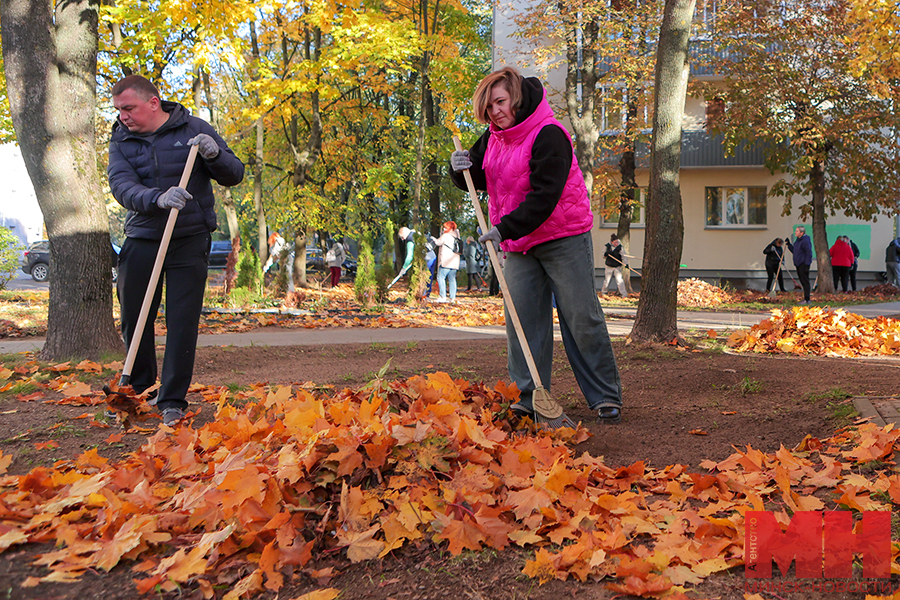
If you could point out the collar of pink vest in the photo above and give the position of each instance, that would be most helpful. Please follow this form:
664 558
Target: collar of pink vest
520 130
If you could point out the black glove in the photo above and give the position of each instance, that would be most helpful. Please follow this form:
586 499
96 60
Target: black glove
174 197
206 145
460 160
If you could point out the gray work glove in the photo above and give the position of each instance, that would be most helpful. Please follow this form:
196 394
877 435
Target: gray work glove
206 146
174 197
460 160
492 236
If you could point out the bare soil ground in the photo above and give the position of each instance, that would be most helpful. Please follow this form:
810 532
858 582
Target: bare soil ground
681 406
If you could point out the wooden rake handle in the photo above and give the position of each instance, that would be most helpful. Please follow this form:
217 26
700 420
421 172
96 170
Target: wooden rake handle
154 275
495 260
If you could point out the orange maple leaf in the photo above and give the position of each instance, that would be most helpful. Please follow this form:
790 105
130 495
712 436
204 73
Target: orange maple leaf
542 568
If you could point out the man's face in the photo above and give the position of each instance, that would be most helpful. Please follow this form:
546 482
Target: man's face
799 232
136 113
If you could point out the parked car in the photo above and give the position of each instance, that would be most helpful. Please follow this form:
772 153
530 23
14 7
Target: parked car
349 266
36 261
315 259
218 254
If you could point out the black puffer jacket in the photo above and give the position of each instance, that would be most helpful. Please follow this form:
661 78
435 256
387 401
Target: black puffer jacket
142 168
612 255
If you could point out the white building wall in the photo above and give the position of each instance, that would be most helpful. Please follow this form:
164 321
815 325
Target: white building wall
19 210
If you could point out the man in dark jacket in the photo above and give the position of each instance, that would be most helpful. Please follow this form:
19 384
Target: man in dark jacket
892 262
614 265
774 255
802 251
147 153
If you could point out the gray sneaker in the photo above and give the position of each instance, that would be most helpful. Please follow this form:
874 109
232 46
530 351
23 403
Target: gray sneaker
171 416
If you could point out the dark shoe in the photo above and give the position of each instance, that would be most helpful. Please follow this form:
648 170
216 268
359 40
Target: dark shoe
609 414
171 416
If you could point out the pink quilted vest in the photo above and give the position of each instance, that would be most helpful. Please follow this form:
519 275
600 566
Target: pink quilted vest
506 169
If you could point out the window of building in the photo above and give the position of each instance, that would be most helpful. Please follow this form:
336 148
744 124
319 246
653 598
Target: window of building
637 212
735 206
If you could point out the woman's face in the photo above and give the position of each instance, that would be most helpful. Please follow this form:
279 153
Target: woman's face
499 109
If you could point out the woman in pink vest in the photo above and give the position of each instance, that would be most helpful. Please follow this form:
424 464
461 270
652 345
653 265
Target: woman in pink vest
541 217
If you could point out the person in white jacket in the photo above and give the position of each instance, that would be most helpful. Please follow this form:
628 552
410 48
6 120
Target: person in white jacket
335 258
448 260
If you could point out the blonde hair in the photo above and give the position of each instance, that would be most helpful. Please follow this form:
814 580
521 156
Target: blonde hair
510 79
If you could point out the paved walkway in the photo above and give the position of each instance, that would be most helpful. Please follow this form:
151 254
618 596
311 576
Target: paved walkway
619 323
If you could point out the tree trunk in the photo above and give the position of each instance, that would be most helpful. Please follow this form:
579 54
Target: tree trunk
51 70
262 229
420 146
227 199
627 167
434 175
656 319
824 280
299 265
581 67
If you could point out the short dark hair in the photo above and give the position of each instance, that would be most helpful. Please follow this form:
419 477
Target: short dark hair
141 85
613 237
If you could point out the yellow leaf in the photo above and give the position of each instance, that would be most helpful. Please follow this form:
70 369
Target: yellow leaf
14 536
5 461
323 594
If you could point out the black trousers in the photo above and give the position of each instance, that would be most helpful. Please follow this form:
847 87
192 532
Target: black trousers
803 276
184 273
770 271
841 274
853 276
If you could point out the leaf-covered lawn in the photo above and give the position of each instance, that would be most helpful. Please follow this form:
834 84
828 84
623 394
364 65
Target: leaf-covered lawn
285 473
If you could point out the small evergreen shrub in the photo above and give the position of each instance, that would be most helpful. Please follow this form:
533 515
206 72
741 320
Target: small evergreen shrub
384 274
9 256
365 286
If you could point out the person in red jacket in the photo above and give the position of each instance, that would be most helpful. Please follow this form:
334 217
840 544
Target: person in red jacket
841 261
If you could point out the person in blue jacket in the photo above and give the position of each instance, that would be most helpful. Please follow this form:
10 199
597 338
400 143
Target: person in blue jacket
148 151
802 251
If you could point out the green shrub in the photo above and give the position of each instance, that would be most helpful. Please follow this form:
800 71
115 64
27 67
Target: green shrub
249 271
384 274
9 256
365 287
242 297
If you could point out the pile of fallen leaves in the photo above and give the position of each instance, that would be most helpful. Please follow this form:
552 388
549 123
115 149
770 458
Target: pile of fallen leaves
819 331
248 501
699 294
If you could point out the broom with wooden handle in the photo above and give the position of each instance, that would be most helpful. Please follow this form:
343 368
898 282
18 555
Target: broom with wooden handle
548 413
154 274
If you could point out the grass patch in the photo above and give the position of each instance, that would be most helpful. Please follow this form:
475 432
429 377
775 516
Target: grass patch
748 386
833 395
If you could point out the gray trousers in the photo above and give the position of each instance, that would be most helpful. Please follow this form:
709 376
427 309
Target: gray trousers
562 269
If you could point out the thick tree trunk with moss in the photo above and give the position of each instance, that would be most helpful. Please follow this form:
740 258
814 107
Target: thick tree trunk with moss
656 314
824 279
51 69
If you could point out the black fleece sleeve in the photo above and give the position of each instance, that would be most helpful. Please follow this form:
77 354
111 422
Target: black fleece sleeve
551 159
476 153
